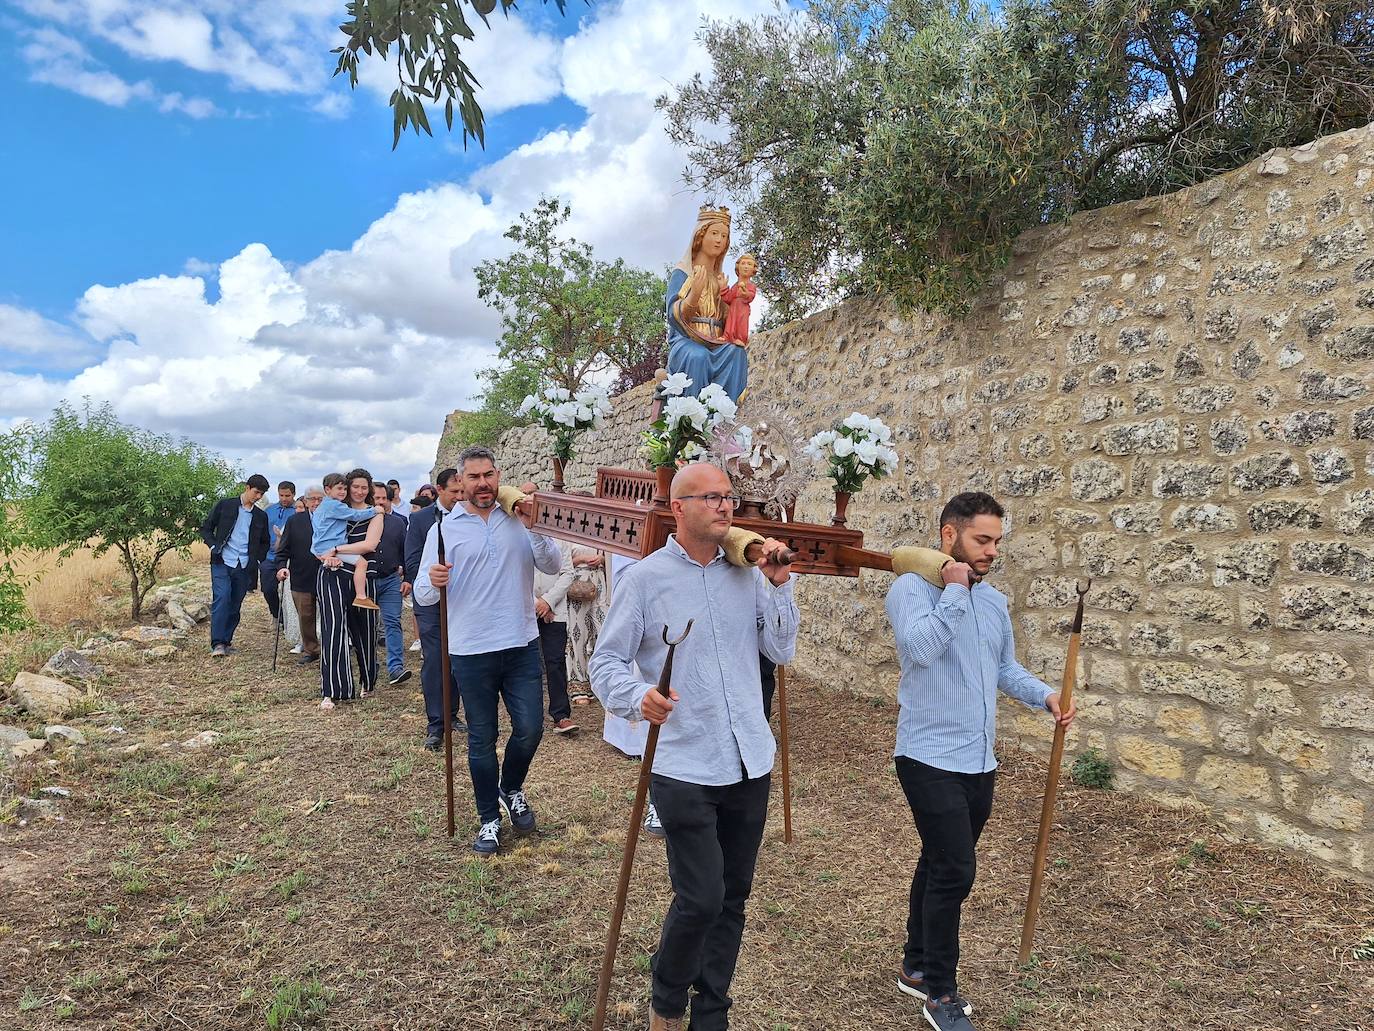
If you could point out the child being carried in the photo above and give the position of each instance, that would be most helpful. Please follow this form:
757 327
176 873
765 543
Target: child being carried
330 522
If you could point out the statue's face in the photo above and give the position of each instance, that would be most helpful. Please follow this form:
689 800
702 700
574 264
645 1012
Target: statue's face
747 267
714 241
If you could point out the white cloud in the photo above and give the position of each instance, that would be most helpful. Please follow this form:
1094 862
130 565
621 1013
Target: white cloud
28 339
356 356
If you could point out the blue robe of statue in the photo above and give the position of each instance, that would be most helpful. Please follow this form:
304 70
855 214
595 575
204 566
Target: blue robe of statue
726 364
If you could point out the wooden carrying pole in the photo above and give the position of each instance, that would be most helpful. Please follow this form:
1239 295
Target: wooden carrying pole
786 760
1042 843
627 861
446 677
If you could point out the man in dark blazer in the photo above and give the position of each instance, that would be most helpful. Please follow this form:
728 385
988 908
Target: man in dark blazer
427 616
295 560
236 531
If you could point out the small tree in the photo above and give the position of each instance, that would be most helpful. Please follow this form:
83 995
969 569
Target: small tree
505 388
14 614
97 482
565 313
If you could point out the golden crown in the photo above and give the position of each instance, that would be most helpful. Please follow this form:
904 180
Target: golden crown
709 213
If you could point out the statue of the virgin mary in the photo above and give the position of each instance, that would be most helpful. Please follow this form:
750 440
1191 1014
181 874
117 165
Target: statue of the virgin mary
696 314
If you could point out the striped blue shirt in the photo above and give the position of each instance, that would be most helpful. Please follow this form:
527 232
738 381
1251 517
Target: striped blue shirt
956 651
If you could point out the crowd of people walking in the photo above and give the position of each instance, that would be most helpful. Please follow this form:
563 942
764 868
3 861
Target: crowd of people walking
539 626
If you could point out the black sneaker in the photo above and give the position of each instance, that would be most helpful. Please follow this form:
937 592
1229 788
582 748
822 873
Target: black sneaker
306 660
948 1013
459 727
913 983
402 677
488 841
519 811
434 742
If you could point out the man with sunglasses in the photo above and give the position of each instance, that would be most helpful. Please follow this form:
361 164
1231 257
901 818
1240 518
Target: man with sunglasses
715 754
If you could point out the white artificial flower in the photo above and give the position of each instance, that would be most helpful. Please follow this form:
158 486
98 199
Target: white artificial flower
710 393
721 409
888 456
880 431
843 447
558 394
689 408
825 438
566 413
866 451
527 404
690 449
856 421
584 414
676 384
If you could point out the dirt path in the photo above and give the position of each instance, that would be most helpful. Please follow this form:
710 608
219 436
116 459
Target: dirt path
297 872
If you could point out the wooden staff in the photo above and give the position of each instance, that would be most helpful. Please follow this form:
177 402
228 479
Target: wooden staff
446 673
786 764
627 861
1042 843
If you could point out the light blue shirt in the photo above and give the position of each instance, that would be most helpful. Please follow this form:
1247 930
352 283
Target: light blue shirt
956 651
330 523
717 733
277 515
235 550
491 584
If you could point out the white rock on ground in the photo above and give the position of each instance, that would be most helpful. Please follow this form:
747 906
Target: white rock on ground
71 663
160 651
56 792
47 697
181 619
70 734
204 739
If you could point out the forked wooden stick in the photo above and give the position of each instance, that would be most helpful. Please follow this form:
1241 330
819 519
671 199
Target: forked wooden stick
627 861
1042 843
445 672
786 761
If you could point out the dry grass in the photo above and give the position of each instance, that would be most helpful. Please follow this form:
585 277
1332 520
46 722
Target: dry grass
298 872
64 589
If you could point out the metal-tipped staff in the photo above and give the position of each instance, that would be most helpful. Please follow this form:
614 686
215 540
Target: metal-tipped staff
786 757
627 861
276 640
446 674
1042 843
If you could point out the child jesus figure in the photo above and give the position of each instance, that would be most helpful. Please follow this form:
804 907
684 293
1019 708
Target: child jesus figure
739 297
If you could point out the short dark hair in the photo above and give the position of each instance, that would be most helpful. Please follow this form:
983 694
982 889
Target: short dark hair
258 482
477 453
332 479
960 509
287 485
393 483
444 476
393 490
421 501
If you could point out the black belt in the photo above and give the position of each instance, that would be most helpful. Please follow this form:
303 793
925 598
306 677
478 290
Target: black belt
390 572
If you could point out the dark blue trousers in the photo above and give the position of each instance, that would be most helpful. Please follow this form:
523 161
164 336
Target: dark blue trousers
267 583
512 675
228 587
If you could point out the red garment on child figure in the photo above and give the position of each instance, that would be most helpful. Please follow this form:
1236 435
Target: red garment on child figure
738 297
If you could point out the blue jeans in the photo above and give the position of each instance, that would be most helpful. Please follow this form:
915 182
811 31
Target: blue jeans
514 675
388 596
228 587
267 581
431 670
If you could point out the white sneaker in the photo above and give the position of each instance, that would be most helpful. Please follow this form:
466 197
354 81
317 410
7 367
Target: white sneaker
415 646
652 826
296 650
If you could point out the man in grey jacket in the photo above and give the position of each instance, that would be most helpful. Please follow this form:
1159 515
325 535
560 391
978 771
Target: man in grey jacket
551 609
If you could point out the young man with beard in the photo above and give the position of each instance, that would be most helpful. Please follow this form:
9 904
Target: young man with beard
488 568
956 652
715 756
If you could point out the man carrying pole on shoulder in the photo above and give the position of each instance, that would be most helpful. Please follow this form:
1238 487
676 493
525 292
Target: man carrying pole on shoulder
956 651
715 753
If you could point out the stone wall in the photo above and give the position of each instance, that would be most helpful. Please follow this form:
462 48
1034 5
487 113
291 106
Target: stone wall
1176 398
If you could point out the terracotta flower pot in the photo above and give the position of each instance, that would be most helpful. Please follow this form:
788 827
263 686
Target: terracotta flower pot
663 485
841 506
557 475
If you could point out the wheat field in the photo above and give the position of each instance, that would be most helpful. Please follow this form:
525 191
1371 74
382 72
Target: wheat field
59 590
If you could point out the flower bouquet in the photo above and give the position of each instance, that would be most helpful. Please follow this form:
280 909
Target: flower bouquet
859 447
684 428
565 415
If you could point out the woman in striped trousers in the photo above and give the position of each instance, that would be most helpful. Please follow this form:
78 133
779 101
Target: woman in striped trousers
343 626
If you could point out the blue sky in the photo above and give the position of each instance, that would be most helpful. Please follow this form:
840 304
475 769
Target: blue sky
208 231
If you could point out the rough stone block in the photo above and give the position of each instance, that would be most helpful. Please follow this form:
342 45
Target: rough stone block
1274 698
1175 562
1362 760
1141 518
1351 711
1030 481
1184 480
1353 344
1235 779
1252 562
1254 614
1187 367
1356 517
1268 516
1154 437
1327 609
1198 606
1205 518
1269 471
1362 424
1318 386
1150 757
1229 436
1307 427
1201 399
1185 723
72 665
1095 479
1298 746
1334 559
1277 832
45 697
1100 407
1051 592
1330 466
1338 812
1154 639
1234 735
1115 598
1220 688
1230 651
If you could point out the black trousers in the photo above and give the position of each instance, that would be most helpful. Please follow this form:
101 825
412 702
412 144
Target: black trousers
267 582
553 643
344 629
768 679
432 671
950 810
713 836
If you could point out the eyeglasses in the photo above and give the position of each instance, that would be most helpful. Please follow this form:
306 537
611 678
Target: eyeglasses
715 500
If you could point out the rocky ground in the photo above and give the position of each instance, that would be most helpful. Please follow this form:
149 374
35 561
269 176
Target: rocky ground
187 844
